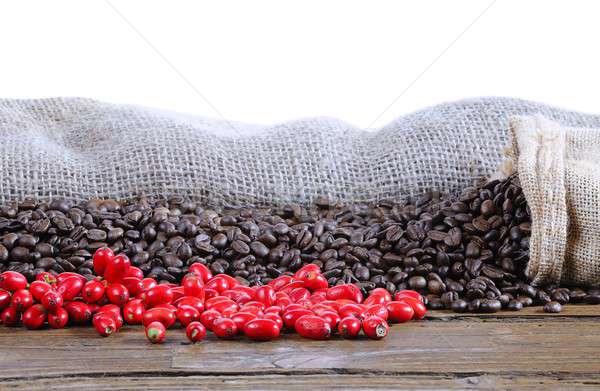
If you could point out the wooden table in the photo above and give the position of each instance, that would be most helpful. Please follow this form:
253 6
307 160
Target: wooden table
526 350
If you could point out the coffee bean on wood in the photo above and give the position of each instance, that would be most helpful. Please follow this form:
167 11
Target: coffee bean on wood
465 252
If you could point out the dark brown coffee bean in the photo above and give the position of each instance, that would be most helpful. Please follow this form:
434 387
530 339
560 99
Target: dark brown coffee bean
459 306
417 283
553 307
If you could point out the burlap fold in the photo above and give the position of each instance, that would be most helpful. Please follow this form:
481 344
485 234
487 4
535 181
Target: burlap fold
559 169
81 148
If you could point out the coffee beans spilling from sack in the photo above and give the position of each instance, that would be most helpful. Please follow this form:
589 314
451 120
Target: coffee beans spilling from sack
466 252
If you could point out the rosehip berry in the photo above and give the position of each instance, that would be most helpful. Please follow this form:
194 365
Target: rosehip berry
224 328
275 318
315 281
162 315
262 329
79 312
265 295
345 291
192 302
280 282
92 291
58 319
52 300
105 324
10 316
375 327
38 289
101 258
70 287
202 271
187 314
117 268
218 284
21 300
304 270
195 332
193 285
160 294
330 317
117 294
291 317
408 293
418 307
148 283
46 277
242 317
351 310
399 311
5 299
133 285
208 317
34 317
349 327
134 272
12 281
133 311
299 294
313 327
379 310
156 332
64 275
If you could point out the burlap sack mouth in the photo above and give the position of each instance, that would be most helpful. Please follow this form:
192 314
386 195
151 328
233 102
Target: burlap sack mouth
559 170
81 148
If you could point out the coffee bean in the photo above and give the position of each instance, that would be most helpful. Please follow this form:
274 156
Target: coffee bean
553 307
459 306
417 283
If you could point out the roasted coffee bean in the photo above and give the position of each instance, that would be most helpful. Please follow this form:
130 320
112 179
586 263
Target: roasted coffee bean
417 283
553 307
514 305
490 306
459 306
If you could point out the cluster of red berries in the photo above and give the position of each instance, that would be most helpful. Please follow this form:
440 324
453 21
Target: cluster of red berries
303 303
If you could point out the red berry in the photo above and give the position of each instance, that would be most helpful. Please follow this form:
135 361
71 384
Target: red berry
265 294
275 318
262 329
117 294
133 285
349 327
156 332
134 272
202 271
10 316
52 300
117 268
290 317
375 327
133 311
218 284
148 283
418 307
399 312
304 270
280 282
243 317
92 291
46 277
5 298
79 313
12 281
408 293
351 310
187 314
160 294
70 287
224 328
105 324
58 319
379 310
313 327
193 285
162 315
38 289
192 302
195 331
345 291
101 258
330 317
208 317
315 281
21 300
34 317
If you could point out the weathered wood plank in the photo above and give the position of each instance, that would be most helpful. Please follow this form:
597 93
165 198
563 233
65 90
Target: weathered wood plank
548 382
454 346
529 312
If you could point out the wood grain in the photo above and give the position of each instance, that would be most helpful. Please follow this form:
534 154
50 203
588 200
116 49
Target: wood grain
525 349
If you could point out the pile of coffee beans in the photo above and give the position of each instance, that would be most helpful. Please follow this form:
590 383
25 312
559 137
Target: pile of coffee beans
465 252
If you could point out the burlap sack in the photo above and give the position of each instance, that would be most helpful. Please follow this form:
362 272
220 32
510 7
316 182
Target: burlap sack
80 148
559 169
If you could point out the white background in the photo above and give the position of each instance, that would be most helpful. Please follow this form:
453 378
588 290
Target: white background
268 61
